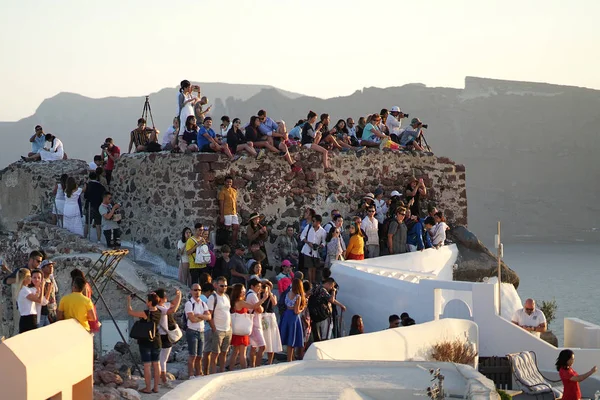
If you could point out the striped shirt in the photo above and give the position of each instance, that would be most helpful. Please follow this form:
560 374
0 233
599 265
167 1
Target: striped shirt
141 138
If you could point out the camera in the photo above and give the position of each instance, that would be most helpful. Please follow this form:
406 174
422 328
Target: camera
104 146
315 247
424 126
405 115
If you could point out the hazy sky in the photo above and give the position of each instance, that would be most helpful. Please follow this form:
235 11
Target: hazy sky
323 48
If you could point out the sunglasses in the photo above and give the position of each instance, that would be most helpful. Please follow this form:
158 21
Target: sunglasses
371 211
222 285
195 290
37 260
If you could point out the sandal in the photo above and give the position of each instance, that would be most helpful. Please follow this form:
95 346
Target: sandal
146 391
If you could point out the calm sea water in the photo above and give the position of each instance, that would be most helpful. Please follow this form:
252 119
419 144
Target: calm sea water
564 272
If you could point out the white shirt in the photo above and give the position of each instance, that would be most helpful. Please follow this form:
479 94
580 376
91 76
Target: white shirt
93 166
252 298
352 131
311 236
371 229
168 136
224 131
164 323
222 314
381 209
438 233
393 125
196 307
26 306
536 318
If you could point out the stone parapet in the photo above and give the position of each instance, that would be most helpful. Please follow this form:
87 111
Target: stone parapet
163 192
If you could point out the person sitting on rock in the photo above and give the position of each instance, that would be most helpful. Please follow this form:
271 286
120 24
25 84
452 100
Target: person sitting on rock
38 139
188 136
311 136
530 318
237 142
208 142
53 150
142 136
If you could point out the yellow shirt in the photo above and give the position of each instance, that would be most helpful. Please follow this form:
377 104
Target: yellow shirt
76 306
191 242
356 245
229 198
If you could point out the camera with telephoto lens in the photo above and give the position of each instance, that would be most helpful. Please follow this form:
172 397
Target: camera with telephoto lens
405 115
104 146
424 126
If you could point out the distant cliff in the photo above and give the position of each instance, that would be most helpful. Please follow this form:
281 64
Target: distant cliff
531 148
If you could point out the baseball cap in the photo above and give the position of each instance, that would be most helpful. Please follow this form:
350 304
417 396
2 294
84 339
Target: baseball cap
415 121
395 193
46 262
395 109
286 263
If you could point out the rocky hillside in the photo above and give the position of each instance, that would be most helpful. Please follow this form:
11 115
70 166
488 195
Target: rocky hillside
529 148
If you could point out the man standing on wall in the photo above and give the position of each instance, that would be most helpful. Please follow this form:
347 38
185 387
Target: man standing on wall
228 208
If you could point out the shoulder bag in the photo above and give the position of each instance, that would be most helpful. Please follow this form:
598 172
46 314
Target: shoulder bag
143 329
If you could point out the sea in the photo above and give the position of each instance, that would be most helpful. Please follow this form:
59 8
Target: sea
563 272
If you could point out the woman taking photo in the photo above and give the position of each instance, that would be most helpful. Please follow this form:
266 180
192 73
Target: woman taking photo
569 376
149 350
335 246
186 100
184 264
27 299
188 136
240 306
290 327
258 232
269 322
72 212
356 245
167 322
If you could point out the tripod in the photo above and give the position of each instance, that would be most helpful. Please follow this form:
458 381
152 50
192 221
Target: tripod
147 111
425 140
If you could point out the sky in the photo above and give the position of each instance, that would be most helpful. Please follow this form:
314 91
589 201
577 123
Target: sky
322 48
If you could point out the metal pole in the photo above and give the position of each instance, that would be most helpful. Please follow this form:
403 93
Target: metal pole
99 293
499 272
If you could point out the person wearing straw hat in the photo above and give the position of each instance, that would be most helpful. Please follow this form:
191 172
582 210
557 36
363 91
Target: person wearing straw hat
367 201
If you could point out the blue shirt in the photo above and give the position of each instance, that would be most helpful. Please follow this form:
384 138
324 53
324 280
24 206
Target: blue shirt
268 127
296 133
202 141
38 144
409 134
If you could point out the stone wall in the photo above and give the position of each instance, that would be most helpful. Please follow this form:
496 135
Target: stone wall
26 188
162 192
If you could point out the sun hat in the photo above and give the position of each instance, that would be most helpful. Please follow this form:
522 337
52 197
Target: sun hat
253 215
395 109
369 196
395 193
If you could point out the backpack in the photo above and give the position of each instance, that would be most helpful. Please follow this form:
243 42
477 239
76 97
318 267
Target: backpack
222 236
184 319
383 235
318 310
203 255
281 303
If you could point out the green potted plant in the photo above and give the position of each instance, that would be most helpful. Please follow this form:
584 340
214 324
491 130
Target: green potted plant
549 309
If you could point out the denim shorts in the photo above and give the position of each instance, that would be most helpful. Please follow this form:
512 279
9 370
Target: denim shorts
194 342
149 354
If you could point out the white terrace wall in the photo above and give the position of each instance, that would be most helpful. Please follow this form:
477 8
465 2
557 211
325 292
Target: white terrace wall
580 333
411 343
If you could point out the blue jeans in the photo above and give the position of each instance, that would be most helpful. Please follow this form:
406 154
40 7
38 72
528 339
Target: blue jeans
149 354
44 321
194 342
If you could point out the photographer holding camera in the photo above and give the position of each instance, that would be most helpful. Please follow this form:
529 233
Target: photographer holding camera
411 136
110 153
313 237
111 218
393 123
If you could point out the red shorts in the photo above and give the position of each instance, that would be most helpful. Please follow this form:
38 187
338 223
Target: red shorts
240 340
356 256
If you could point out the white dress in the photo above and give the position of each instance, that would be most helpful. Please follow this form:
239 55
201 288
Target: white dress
59 201
72 214
186 110
53 153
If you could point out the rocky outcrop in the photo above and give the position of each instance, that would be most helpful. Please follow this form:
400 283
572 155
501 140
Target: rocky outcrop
162 192
475 261
26 188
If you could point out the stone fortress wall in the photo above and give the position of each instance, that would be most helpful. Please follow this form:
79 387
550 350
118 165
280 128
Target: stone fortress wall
162 193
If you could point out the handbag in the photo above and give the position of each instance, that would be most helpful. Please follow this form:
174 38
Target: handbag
241 324
143 329
174 334
203 255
